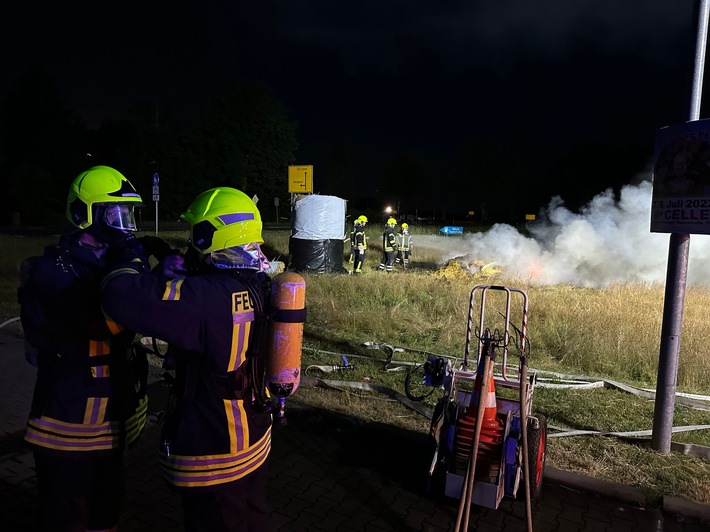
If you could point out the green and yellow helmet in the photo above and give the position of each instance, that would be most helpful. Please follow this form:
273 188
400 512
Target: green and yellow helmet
222 218
102 194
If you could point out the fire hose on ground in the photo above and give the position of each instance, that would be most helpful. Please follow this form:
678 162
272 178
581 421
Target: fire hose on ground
545 379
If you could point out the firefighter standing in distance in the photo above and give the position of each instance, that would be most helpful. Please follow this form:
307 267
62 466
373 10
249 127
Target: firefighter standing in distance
360 243
404 246
356 222
90 396
389 246
210 307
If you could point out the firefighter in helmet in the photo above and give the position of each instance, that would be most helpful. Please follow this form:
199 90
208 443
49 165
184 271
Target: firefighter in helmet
404 246
90 396
210 307
359 240
356 222
389 246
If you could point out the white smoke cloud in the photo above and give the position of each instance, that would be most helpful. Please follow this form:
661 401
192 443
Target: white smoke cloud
608 241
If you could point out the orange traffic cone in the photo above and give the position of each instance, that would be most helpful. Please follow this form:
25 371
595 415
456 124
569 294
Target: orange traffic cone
490 410
491 436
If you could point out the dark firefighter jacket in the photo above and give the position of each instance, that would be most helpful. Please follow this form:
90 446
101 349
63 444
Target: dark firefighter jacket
90 393
404 241
210 435
360 237
389 239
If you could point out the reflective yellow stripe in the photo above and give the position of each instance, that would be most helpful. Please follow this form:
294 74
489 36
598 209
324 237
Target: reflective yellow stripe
95 411
52 433
172 290
118 272
99 372
238 430
211 470
114 327
240 342
136 423
244 425
98 348
231 426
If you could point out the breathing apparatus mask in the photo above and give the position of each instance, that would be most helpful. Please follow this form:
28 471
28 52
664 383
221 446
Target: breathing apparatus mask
246 257
113 222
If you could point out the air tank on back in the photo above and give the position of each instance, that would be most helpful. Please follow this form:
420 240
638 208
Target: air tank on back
283 362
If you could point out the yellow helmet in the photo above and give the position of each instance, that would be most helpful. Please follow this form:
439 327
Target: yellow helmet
362 219
102 196
405 225
222 218
391 222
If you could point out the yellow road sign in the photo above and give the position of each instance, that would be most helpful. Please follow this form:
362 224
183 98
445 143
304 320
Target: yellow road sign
300 179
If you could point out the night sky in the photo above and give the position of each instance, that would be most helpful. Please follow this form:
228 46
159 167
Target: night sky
382 77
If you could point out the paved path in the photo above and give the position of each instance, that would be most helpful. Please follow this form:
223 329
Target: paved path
328 473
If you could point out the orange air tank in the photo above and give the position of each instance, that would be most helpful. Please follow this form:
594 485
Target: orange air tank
283 360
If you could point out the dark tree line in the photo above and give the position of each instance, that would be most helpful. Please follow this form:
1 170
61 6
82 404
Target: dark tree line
243 137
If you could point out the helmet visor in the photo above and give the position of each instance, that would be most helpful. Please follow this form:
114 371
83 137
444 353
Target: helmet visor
248 256
120 216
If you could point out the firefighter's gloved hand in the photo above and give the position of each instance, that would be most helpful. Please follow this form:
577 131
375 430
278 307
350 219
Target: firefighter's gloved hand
123 247
173 266
156 246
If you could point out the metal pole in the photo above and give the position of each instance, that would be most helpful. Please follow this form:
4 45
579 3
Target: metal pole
676 277
464 512
524 432
156 218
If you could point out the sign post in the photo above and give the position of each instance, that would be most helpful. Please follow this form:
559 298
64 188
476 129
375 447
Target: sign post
676 218
300 180
156 198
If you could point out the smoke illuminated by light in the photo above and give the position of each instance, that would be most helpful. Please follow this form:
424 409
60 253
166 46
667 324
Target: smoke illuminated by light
608 241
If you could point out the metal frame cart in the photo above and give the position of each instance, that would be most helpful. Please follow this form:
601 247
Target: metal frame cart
488 447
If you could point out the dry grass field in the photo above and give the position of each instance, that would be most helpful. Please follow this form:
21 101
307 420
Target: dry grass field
609 333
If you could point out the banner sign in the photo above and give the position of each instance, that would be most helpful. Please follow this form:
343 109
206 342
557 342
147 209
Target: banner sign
681 179
300 179
452 230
